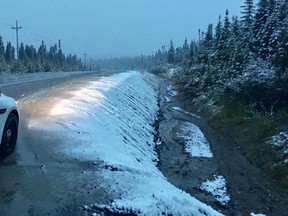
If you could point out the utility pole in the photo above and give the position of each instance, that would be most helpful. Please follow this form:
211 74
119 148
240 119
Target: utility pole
85 55
59 44
17 39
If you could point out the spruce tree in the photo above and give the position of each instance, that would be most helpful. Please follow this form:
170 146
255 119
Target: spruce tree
248 14
2 49
171 53
247 22
9 53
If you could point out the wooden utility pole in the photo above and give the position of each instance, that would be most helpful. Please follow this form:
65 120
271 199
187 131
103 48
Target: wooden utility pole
85 56
17 39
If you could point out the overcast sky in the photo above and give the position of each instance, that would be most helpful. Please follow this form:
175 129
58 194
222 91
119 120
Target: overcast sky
110 27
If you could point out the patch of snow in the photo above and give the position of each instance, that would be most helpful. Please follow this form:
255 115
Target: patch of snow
257 73
195 142
280 142
171 92
253 214
185 112
112 120
159 141
167 99
172 71
217 188
169 87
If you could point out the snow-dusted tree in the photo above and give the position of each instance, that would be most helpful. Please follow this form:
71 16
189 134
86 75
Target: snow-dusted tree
261 17
247 20
206 47
280 58
240 49
192 53
171 53
264 32
248 14
223 50
218 33
186 50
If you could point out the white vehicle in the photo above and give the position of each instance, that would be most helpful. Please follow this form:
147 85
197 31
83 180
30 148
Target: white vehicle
9 120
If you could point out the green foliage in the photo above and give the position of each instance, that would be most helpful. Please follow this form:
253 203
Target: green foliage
243 69
158 70
279 172
171 53
33 60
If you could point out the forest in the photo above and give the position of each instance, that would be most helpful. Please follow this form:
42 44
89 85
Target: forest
31 59
236 74
244 58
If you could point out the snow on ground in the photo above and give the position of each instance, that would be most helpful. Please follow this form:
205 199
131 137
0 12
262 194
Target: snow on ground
252 214
280 142
187 113
217 188
172 71
195 142
112 120
167 99
171 92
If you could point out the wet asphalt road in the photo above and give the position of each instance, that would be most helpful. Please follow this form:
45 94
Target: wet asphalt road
22 85
36 179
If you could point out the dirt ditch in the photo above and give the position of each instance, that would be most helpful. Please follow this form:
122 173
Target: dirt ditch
249 189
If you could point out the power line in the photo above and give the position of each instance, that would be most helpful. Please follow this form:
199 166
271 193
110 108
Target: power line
17 39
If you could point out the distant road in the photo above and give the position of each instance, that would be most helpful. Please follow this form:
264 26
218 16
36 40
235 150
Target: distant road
28 77
23 84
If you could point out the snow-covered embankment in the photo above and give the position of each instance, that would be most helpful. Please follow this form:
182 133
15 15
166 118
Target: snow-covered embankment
111 120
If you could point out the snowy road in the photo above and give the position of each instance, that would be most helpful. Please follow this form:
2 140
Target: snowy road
87 145
90 143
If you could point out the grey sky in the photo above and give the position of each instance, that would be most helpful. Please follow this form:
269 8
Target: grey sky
110 27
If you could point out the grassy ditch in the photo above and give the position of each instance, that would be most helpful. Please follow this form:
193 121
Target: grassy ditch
249 130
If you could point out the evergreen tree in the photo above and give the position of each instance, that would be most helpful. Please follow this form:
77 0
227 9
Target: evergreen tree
247 22
206 47
223 51
261 17
22 53
2 49
171 53
240 49
248 15
280 58
9 53
192 53
42 52
265 34
186 48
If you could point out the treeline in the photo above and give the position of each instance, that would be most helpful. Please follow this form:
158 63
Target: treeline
125 63
242 58
236 74
32 59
